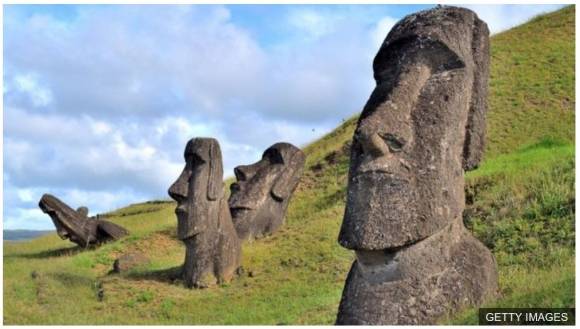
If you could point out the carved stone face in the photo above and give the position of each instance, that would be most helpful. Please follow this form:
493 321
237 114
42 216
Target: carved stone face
69 223
260 196
423 125
199 188
410 146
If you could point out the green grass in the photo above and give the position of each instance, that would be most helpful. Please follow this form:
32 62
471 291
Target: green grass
532 83
520 203
521 206
529 288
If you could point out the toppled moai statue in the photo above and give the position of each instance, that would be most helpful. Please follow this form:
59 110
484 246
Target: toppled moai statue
260 197
423 125
204 222
76 226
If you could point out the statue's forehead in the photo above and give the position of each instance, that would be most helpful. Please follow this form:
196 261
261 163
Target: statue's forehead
55 204
199 147
450 26
284 150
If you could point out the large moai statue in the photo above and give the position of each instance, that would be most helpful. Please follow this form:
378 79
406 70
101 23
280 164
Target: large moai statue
260 197
204 222
422 127
76 226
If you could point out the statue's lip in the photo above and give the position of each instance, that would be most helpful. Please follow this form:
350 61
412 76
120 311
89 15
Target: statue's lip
239 211
240 208
180 210
373 172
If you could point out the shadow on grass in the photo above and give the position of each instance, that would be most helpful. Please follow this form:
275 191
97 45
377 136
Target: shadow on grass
73 280
62 252
170 275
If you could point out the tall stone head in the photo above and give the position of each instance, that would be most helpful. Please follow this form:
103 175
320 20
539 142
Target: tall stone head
204 224
259 198
422 127
199 188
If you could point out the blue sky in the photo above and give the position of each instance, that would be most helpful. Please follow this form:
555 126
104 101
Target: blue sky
99 101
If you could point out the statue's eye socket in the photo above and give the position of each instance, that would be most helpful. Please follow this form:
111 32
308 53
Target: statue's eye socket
394 143
196 159
274 156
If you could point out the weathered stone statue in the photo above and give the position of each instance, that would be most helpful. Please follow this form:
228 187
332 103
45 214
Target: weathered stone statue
204 223
76 226
259 198
423 125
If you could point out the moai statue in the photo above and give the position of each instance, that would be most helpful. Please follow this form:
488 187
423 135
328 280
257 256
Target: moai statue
204 222
260 197
76 226
422 127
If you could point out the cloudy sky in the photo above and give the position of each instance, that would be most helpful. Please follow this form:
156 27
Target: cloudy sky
99 101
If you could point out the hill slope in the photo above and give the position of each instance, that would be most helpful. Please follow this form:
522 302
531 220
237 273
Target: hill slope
520 203
532 83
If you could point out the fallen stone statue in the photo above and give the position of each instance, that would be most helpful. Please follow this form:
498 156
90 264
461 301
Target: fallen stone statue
204 223
423 125
76 226
259 199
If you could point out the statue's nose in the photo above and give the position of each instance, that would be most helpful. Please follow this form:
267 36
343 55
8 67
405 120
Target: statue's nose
244 172
178 190
373 144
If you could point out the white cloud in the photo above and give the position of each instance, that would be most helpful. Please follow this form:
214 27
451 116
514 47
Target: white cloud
133 64
382 29
26 212
25 195
29 85
51 149
313 24
100 128
502 17
31 218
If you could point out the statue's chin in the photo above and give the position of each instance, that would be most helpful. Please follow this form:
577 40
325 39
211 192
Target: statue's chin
241 214
378 266
379 197
243 221
379 207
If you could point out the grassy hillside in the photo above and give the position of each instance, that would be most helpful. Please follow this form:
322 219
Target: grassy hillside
532 83
520 203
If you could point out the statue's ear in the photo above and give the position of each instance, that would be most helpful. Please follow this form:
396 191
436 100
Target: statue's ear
474 144
286 183
216 172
